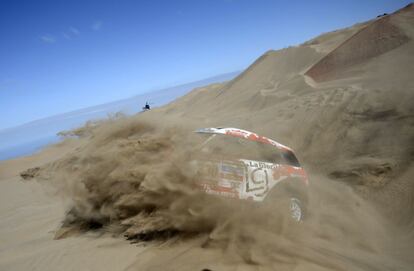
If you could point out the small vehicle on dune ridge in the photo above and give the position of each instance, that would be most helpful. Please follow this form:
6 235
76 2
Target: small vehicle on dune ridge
239 164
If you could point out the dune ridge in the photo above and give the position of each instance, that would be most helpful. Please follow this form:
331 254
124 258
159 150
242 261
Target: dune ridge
379 37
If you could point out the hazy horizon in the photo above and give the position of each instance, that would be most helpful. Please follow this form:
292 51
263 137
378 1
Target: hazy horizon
29 137
149 93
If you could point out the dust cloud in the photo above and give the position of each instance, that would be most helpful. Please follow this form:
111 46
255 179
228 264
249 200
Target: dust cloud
133 177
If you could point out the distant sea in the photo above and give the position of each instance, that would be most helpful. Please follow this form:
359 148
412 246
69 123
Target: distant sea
31 137
27 148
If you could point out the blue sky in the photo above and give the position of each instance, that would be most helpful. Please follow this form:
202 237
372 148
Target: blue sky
57 56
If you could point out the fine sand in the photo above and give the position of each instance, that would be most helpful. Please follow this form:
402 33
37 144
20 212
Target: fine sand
120 196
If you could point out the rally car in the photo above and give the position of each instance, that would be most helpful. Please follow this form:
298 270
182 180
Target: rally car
240 164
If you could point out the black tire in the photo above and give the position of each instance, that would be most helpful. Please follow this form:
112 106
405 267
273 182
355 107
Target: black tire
290 195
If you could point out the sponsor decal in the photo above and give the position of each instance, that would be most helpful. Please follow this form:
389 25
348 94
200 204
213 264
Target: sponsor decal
257 179
231 172
213 189
230 176
234 169
259 164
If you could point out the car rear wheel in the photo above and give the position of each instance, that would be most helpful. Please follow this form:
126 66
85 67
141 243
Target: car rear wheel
290 198
296 209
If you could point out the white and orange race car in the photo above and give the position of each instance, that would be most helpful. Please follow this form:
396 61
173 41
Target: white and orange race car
240 164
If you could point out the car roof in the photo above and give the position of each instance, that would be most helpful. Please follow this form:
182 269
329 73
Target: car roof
236 132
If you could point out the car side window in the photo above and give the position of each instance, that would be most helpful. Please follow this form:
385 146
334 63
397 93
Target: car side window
290 158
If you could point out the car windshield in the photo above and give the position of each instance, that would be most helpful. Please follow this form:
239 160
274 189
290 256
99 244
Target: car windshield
230 147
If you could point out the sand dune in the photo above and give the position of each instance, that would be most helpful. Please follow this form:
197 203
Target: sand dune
373 40
343 101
